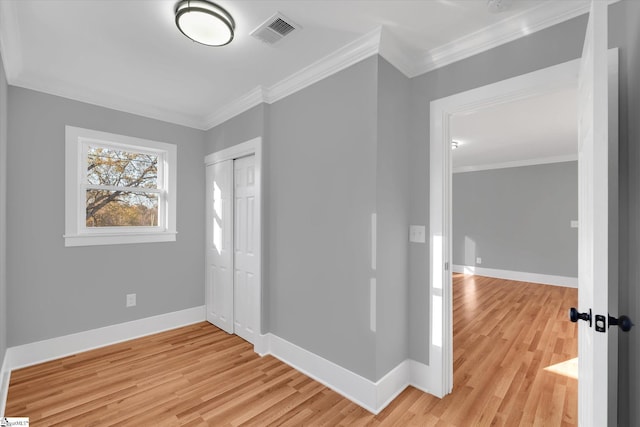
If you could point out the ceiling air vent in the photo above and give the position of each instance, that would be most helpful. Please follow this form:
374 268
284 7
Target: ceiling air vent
275 29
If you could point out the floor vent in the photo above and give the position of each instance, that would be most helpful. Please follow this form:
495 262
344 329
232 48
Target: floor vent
275 29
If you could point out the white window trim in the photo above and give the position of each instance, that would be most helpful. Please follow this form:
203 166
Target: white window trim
76 233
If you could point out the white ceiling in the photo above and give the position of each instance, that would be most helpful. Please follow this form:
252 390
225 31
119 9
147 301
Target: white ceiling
130 56
540 129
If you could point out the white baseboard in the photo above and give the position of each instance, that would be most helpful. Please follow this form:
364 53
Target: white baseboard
5 377
42 351
392 384
349 384
424 379
545 279
372 396
261 345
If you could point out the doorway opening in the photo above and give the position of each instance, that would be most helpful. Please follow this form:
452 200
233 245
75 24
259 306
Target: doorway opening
598 158
537 83
514 233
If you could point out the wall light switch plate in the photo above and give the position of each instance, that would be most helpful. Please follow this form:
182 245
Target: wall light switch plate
574 223
417 233
131 300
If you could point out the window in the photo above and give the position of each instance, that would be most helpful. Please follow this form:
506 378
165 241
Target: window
119 189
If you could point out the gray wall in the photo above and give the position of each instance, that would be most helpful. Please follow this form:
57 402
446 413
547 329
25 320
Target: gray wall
335 153
392 183
322 156
3 211
240 128
55 290
517 219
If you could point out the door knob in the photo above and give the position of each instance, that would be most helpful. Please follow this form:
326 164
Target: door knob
574 315
623 322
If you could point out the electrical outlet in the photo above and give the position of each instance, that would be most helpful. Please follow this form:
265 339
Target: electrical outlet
131 300
478 260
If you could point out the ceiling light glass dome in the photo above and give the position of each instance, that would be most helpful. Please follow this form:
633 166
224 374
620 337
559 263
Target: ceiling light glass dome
205 22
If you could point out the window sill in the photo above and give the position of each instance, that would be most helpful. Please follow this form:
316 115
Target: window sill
118 239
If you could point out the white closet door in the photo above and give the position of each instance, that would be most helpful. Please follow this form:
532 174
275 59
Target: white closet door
246 291
219 257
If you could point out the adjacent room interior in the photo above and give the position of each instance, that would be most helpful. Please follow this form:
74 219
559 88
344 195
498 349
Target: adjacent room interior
515 253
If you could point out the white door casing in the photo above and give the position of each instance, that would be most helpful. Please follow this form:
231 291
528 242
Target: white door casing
246 294
551 79
249 261
219 256
597 247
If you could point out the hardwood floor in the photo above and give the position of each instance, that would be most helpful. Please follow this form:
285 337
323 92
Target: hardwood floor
505 334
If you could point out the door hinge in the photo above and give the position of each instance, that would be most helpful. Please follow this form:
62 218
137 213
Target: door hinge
446 266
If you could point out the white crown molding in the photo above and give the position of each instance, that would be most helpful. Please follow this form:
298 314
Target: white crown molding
88 96
379 41
517 163
410 62
10 40
543 16
235 107
342 58
10 47
399 54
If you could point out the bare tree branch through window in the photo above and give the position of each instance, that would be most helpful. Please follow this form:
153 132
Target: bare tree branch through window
122 188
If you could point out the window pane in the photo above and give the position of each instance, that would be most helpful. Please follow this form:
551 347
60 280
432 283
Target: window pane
108 166
121 209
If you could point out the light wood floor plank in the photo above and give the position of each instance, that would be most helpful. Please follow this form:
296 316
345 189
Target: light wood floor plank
505 334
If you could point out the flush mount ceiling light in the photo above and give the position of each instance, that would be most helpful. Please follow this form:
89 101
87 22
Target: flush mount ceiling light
205 22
